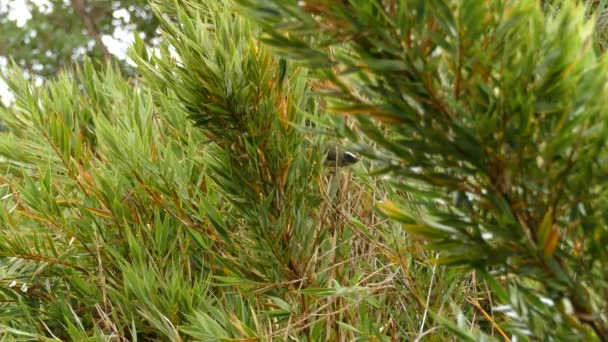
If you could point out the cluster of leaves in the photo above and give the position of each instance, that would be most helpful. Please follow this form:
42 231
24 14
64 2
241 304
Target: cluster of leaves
497 119
121 219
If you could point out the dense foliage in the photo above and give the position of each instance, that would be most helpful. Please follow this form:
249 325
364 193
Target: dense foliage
122 220
192 202
499 118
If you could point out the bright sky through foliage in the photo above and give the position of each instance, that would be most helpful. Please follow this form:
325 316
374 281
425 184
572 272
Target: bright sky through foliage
18 12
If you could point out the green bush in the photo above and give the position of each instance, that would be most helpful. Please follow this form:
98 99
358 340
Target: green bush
192 202
497 119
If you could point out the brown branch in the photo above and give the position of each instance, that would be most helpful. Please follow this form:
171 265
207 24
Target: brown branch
80 6
458 82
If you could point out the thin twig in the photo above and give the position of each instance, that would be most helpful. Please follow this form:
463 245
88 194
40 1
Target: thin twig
428 296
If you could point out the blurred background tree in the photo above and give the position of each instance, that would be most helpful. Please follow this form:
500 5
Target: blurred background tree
46 36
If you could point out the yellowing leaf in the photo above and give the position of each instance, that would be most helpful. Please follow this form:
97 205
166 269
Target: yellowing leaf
98 212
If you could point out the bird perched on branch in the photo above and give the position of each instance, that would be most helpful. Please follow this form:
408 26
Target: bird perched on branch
337 156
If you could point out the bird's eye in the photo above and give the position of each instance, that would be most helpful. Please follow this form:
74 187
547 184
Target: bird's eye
350 158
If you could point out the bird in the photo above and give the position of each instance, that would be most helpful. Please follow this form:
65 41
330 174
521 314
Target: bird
337 156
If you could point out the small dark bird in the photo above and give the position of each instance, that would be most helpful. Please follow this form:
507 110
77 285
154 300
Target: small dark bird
338 157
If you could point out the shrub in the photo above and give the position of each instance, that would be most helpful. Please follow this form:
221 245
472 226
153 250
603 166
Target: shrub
191 203
497 121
